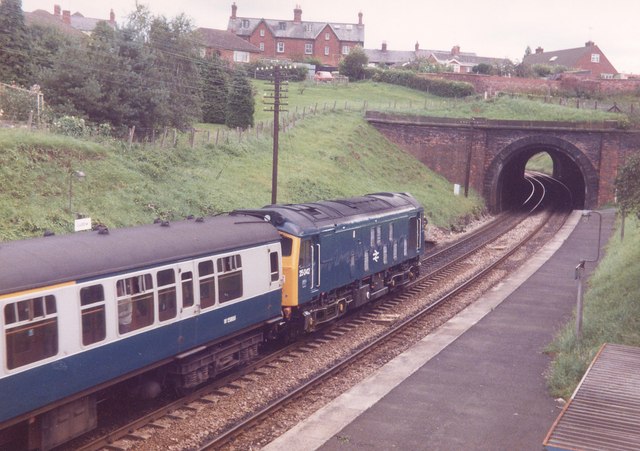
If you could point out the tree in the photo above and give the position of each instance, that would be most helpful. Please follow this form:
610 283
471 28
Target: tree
628 186
214 91
353 65
14 44
483 68
240 105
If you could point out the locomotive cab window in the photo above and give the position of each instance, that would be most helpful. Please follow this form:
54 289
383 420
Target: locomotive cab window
31 330
92 309
135 303
287 246
229 278
166 294
305 253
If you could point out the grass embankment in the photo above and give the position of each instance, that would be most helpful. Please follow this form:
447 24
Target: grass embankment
324 156
611 312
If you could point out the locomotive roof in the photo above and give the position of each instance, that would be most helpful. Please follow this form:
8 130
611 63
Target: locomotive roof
37 262
308 218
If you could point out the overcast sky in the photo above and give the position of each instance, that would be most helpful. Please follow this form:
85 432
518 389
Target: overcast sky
495 28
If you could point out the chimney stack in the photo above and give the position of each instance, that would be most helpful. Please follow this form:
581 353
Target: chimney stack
234 10
589 43
417 46
112 17
56 10
384 46
455 50
360 18
539 50
66 16
297 14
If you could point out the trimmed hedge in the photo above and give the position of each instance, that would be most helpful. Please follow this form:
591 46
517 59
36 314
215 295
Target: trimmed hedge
409 79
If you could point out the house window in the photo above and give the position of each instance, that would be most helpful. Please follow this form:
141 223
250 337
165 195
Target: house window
308 49
262 46
308 27
327 36
345 49
280 48
245 23
595 57
326 50
456 68
240 57
282 25
262 33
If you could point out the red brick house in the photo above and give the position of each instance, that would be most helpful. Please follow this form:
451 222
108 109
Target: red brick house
226 45
64 21
588 59
298 40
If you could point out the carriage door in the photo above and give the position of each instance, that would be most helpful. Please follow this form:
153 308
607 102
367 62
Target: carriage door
188 305
315 265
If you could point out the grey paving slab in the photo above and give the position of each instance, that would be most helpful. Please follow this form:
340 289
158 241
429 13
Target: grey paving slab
478 382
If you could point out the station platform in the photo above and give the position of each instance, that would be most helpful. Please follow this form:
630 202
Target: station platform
478 381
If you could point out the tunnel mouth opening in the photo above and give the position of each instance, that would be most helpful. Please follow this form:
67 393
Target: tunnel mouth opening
513 188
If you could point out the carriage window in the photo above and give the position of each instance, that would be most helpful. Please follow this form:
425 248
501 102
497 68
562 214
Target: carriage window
207 284
31 330
395 250
229 278
275 267
187 289
391 231
385 257
366 260
373 236
92 309
135 303
166 294
378 235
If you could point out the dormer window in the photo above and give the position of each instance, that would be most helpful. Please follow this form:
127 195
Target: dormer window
282 25
595 57
245 23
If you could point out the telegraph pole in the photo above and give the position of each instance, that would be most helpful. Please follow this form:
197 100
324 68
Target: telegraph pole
273 98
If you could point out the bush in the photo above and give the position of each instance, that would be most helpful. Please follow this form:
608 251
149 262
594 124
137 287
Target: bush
16 104
70 126
437 87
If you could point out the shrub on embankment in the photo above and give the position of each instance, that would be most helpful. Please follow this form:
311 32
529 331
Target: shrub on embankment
611 312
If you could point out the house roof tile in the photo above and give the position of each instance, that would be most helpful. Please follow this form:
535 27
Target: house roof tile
222 39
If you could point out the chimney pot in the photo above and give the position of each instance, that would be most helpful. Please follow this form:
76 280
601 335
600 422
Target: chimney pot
360 18
384 46
297 14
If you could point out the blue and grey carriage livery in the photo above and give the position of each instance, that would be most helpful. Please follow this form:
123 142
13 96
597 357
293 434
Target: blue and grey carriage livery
179 302
340 254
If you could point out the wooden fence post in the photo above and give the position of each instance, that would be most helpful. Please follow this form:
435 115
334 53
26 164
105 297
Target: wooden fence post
132 132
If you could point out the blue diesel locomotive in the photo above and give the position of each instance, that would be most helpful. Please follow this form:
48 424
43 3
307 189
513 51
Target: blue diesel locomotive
176 304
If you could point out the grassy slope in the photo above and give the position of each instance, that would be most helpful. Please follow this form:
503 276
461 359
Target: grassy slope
611 312
324 156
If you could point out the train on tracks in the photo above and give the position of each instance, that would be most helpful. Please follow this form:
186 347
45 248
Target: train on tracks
175 304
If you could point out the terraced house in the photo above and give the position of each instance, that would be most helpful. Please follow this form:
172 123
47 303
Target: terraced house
297 40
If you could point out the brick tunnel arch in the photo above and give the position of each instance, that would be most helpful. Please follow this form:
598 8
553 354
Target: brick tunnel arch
569 165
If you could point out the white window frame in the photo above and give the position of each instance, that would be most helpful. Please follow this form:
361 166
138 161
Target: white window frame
326 50
262 33
262 46
327 36
280 47
240 57
346 49
308 49
595 57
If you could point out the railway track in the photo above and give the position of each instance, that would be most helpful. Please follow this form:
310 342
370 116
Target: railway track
440 264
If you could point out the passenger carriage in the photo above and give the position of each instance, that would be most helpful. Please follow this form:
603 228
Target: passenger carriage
80 312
